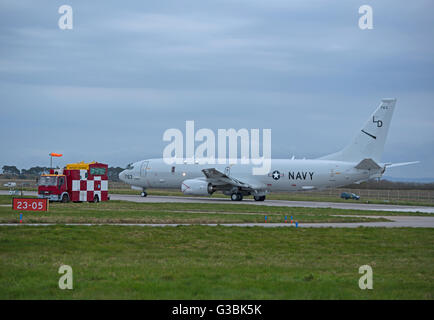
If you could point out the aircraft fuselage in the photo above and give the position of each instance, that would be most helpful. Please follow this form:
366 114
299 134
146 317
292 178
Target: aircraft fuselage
285 174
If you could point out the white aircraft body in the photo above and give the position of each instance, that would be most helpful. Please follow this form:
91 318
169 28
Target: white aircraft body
358 162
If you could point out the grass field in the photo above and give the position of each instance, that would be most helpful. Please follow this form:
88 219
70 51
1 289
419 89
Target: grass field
198 262
131 212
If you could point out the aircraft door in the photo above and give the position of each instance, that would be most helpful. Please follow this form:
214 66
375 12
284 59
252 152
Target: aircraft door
332 175
144 168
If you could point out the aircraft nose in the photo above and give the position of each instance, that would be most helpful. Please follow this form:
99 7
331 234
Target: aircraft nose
122 175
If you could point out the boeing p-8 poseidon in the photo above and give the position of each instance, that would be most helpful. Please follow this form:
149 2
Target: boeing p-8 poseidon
359 161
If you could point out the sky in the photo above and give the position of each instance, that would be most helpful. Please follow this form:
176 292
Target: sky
129 70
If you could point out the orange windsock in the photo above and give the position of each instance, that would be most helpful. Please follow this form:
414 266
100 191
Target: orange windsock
56 154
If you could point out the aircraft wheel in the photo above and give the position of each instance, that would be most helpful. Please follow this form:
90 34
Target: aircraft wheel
236 196
144 194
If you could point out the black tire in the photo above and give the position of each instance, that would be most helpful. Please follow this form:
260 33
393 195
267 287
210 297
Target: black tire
144 194
95 199
236 196
65 198
259 198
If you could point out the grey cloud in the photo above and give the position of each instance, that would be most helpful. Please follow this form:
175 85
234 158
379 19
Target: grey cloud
129 71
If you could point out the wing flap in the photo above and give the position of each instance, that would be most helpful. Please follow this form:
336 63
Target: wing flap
218 177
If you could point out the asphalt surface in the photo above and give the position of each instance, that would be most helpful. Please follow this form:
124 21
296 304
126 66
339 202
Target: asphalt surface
395 221
281 203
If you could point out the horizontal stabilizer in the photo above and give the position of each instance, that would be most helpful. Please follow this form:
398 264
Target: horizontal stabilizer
391 165
367 164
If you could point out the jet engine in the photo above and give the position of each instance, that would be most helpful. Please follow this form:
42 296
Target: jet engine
197 187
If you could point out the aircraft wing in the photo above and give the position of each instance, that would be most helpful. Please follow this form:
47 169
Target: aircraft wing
219 178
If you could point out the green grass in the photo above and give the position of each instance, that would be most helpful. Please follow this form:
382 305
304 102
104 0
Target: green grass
193 213
197 262
6 199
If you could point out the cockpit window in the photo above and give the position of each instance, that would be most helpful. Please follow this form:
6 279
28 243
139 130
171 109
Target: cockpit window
130 166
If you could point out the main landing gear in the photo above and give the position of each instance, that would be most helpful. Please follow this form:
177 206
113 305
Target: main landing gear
144 194
236 196
239 196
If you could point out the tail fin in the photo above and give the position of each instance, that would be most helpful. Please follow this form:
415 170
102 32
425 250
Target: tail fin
369 142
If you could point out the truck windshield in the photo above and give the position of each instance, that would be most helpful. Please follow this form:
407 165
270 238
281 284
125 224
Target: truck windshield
47 181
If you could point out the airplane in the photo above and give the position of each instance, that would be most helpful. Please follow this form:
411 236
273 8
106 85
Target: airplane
359 161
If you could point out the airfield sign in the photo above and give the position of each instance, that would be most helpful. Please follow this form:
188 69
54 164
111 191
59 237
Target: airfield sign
29 204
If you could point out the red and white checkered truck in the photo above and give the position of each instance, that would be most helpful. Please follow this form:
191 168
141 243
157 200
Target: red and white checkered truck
76 182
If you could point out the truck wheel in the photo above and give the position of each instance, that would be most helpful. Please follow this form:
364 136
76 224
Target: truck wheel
65 198
95 199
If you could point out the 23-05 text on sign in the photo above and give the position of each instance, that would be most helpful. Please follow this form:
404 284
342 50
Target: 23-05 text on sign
29 204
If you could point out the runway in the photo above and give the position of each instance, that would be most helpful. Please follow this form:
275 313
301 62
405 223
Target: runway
281 203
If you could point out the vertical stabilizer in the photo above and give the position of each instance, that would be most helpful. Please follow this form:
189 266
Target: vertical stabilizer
369 141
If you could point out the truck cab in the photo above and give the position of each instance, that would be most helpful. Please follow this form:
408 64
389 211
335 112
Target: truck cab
53 187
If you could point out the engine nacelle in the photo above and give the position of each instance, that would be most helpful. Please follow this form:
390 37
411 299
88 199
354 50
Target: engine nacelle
196 187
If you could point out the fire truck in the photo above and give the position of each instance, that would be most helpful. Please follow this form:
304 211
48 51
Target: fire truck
76 182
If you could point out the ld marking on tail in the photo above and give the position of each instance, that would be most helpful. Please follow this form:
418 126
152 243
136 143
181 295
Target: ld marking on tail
378 122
